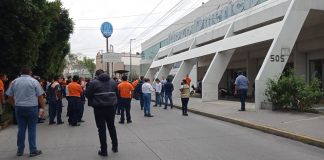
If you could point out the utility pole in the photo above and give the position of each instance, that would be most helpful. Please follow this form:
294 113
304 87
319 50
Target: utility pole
130 58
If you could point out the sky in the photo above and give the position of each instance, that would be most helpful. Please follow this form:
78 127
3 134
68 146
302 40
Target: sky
131 19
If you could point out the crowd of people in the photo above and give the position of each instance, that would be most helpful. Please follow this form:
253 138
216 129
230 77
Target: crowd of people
108 97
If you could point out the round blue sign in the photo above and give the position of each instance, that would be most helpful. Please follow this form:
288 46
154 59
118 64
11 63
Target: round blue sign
106 29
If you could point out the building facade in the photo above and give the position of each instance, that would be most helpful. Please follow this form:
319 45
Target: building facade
259 37
112 62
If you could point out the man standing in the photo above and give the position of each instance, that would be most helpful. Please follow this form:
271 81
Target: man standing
125 90
168 89
147 89
75 92
25 93
188 79
241 86
138 90
55 101
102 96
163 82
158 88
185 94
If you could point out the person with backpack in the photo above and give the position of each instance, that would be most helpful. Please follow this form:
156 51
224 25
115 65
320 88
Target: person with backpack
168 89
139 93
55 101
102 96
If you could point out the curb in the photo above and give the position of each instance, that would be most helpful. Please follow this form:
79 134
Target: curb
266 129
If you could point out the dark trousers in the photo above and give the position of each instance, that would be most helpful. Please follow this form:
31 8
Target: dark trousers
117 107
74 110
68 108
168 96
242 93
125 105
184 105
103 116
55 110
81 111
141 100
162 97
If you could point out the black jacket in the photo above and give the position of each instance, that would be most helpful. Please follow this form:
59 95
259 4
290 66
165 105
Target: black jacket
102 92
168 88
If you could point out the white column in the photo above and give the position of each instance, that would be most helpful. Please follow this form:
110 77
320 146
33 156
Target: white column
215 71
150 73
277 55
185 68
251 72
163 72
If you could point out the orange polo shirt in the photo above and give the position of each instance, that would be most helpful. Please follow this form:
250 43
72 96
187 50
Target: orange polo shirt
1 91
125 89
74 89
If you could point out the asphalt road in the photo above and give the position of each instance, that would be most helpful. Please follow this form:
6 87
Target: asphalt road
166 136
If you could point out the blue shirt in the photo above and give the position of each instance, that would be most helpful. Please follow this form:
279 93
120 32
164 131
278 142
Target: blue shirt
242 82
25 90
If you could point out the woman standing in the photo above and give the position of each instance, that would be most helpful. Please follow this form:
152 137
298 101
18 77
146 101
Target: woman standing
185 94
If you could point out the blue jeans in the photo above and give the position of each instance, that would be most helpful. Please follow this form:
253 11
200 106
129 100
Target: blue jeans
168 96
26 117
158 99
242 93
147 103
162 97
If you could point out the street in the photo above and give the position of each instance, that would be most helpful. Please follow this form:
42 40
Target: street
166 136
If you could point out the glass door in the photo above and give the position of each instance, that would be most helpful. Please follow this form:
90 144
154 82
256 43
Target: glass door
316 71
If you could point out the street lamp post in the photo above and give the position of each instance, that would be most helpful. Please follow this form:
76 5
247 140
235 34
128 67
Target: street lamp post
130 57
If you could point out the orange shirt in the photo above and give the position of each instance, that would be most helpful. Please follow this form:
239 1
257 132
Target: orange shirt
74 89
125 89
1 91
1 86
135 83
188 80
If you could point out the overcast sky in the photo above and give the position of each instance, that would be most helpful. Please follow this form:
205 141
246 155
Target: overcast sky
130 19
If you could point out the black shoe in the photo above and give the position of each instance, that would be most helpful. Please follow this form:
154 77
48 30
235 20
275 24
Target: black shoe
141 108
114 149
155 106
20 154
185 114
121 122
75 125
36 153
165 108
241 110
171 107
130 121
40 121
50 123
145 115
81 121
58 123
149 115
101 153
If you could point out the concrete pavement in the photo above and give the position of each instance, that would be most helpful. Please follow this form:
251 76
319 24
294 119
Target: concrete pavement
166 136
304 127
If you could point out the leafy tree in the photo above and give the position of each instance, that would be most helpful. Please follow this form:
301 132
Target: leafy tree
89 64
22 32
34 33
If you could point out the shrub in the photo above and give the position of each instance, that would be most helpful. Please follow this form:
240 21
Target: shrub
292 92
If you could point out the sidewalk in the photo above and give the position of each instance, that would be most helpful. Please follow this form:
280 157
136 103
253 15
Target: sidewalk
304 127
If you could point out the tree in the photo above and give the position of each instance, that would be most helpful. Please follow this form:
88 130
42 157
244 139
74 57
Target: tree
34 33
89 64
22 32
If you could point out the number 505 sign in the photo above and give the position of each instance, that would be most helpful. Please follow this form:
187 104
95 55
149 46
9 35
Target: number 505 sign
277 58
